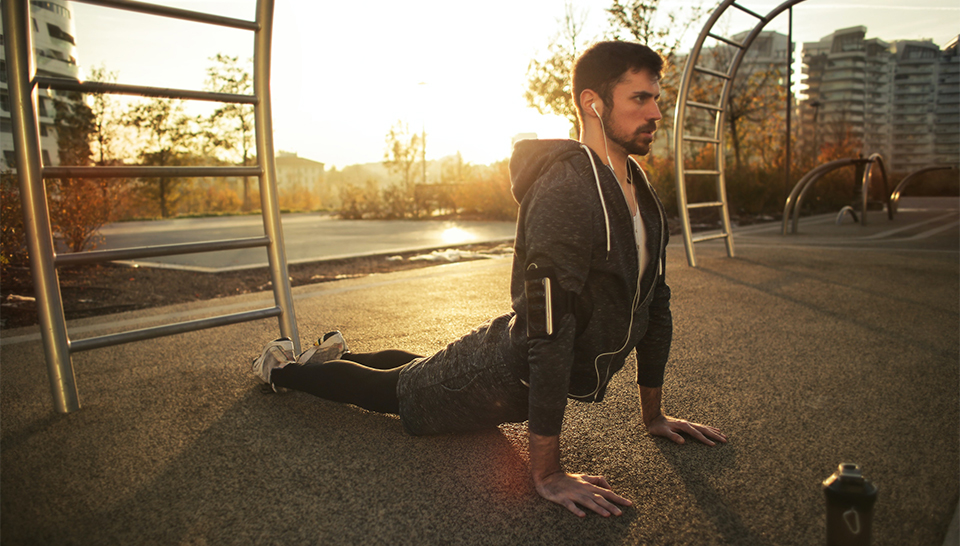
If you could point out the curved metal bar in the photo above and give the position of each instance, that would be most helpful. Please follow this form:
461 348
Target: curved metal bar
806 189
680 112
269 198
895 196
24 88
865 187
792 205
33 197
844 211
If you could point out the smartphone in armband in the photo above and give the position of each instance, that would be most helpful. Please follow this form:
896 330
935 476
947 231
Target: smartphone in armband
539 307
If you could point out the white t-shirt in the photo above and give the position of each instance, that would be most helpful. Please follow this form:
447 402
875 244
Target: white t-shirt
639 232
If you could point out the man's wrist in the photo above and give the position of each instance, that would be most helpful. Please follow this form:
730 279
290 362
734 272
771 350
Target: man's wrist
544 457
650 404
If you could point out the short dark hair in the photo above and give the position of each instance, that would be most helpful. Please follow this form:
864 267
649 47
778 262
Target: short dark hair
602 66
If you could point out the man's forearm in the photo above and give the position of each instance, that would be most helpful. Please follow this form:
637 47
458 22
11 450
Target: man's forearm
544 456
650 403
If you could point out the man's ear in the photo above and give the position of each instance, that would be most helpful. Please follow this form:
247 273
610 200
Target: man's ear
589 100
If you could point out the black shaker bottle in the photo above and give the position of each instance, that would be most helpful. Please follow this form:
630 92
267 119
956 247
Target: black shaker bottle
850 500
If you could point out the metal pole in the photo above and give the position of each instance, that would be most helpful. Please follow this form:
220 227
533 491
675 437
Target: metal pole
786 181
33 200
269 200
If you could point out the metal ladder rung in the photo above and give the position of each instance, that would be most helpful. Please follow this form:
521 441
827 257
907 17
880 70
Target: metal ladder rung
148 172
66 84
702 139
725 40
176 13
702 172
745 10
171 329
712 72
705 205
704 106
100 256
711 237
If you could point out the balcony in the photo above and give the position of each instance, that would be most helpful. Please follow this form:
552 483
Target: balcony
903 101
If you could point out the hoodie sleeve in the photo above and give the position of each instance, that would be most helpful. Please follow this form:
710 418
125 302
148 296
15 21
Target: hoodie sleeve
653 350
558 233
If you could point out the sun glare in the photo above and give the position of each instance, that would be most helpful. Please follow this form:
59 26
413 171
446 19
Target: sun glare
456 236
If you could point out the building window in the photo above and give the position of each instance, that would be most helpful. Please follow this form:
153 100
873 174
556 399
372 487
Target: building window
3 71
4 101
58 33
6 126
45 156
10 158
59 10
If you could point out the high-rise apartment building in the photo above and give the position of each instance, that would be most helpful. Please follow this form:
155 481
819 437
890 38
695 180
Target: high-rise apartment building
894 98
55 54
946 142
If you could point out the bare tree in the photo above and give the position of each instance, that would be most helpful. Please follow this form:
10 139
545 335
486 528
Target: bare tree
106 118
168 134
649 24
548 80
753 112
231 127
403 150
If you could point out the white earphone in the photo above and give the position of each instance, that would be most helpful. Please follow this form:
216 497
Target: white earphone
603 131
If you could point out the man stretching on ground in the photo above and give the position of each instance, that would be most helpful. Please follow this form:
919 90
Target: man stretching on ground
587 285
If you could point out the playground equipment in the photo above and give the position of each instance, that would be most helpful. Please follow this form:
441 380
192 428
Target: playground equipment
23 84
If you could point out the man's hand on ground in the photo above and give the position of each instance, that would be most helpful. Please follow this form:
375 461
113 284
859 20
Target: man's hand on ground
669 427
575 490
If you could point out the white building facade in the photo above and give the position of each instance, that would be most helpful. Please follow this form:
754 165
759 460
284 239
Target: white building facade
899 99
55 54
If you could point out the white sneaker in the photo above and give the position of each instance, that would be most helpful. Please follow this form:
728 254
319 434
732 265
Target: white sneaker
331 346
277 354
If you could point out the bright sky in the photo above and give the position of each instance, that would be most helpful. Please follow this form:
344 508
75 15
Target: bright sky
344 72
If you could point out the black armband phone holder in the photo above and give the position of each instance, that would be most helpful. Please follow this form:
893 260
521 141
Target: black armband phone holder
547 302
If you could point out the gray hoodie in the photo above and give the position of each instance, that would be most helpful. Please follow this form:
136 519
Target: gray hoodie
574 218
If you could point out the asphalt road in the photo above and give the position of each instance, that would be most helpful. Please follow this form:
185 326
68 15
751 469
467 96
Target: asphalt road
307 237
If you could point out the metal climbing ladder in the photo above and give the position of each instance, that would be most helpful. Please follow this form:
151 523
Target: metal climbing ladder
717 110
44 260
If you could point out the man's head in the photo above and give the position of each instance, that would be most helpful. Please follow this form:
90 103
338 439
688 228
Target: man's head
616 88
605 64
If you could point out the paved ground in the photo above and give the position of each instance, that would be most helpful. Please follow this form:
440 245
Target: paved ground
806 353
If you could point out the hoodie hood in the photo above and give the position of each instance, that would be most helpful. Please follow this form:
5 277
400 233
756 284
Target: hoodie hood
531 158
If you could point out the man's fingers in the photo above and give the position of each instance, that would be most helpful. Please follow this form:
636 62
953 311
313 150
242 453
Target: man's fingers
599 481
572 506
699 432
601 505
716 434
591 493
703 432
